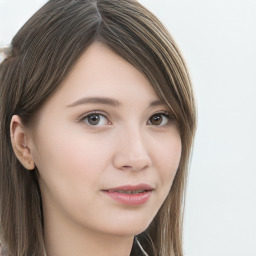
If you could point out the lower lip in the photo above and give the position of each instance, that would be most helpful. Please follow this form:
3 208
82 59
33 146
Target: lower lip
130 199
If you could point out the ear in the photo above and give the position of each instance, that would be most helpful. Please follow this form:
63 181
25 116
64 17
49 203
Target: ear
19 139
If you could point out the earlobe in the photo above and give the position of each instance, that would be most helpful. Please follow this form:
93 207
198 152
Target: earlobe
19 139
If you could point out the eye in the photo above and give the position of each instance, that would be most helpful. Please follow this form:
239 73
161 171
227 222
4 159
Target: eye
95 119
160 119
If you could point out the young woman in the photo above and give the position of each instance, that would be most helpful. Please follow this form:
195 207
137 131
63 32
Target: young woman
97 122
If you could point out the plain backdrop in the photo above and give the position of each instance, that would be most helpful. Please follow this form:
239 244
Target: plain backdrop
218 41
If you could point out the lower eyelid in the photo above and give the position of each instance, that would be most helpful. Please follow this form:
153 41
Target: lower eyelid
165 115
83 117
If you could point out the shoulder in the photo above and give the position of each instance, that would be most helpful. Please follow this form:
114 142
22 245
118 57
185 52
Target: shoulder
2 251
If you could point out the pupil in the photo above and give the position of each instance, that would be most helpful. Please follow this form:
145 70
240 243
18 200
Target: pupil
156 120
94 119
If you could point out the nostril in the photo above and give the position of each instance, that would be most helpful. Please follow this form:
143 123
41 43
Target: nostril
129 161
126 167
134 167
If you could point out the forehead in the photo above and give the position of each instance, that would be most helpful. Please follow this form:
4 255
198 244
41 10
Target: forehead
101 72
99 79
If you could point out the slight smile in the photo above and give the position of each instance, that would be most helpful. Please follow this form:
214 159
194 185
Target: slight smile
130 194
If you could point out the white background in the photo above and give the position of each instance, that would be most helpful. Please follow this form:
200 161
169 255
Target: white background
218 40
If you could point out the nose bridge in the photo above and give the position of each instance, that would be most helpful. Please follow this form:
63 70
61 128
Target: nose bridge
132 151
135 141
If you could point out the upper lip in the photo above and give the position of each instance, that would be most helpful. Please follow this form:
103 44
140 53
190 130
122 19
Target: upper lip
146 187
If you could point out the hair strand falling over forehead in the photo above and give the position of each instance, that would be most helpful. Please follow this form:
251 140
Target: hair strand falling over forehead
42 53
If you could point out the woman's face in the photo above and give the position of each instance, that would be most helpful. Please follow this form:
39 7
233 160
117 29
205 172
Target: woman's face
106 148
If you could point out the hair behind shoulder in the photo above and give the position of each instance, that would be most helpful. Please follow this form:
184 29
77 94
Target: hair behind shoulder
43 52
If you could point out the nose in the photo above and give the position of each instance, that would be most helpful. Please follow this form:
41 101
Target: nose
131 151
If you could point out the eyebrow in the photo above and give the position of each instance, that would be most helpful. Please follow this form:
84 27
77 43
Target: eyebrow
107 101
95 100
156 103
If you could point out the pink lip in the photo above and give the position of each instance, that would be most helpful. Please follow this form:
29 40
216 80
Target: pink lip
120 194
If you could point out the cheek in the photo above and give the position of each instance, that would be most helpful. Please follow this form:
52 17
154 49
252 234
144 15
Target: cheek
70 160
167 157
70 169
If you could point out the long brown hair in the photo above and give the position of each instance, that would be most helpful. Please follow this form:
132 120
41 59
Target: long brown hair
42 53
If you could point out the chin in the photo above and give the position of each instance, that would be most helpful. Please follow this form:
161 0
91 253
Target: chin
131 226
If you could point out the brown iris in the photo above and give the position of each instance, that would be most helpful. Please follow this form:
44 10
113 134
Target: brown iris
156 119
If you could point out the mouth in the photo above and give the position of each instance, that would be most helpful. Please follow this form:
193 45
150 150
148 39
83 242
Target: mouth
129 191
130 194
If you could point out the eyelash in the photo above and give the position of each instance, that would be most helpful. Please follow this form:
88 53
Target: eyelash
84 118
164 114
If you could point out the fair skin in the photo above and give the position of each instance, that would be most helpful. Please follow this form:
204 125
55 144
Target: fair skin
131 139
